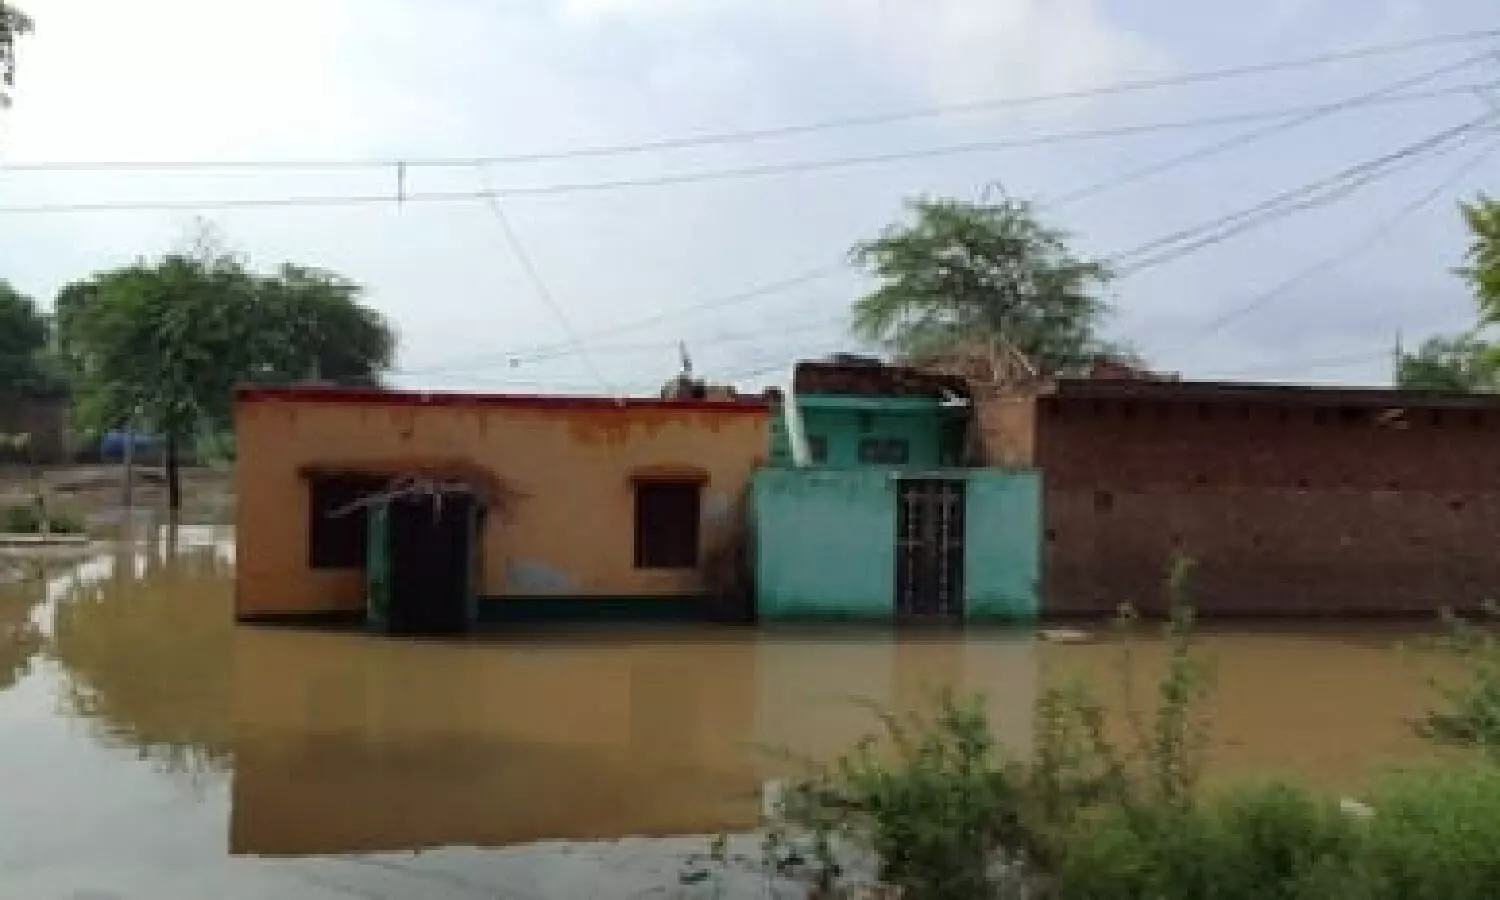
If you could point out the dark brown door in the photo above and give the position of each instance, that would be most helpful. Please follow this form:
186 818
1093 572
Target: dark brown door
930 548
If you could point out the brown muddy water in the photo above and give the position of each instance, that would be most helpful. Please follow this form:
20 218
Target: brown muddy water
150 748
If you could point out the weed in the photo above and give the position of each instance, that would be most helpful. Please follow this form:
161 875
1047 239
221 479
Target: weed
950 815
1470 716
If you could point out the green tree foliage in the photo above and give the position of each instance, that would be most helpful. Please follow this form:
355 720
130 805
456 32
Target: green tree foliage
961 272
13 24
1463 363
1467 362
326 333
163 344
23 342
1481 267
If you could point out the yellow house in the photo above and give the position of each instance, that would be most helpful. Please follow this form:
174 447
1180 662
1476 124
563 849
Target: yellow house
595 505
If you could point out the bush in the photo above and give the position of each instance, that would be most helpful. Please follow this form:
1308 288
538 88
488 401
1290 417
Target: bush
1436 834
20 519
1470 716
66 523
27 519
949 815
1276 842
932 797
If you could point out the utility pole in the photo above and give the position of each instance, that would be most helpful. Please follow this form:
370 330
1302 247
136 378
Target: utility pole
1396 361
127 476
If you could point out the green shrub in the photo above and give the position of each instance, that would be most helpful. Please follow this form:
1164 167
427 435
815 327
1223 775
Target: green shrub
1275 842
950 815
20 519
1436 834
933 797
947 811
66 523
27 519
1470 715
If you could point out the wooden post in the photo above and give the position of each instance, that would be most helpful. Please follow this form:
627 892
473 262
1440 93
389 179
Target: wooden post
127 476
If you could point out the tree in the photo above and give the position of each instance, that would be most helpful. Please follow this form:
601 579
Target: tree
963 272
329 335
13 24
163 345
1466 362
23 341
1462 364
1481 267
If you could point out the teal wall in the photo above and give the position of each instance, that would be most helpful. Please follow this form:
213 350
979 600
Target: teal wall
1002 559
824 542
933 433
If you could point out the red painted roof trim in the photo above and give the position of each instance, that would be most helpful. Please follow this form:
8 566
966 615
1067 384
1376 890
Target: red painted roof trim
376 397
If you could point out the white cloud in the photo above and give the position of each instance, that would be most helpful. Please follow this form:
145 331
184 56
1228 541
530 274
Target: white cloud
954 49
965 50
174 79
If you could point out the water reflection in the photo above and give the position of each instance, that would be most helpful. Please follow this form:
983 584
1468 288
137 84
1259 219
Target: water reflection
299 742
142 637
21 638
345 743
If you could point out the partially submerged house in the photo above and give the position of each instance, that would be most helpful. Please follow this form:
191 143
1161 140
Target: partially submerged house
1290 501
870 509
486 507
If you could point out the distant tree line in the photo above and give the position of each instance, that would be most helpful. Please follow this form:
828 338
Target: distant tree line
160 345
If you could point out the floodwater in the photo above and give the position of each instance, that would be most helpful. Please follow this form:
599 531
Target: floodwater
150 748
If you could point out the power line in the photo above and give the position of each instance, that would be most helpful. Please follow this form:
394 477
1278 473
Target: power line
1385 94
1171 247
1301 115
515 358
745 135
540 286
1357 247
666 180
755 293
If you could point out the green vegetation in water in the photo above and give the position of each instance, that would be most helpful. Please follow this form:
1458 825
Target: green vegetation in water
1470 715
951 815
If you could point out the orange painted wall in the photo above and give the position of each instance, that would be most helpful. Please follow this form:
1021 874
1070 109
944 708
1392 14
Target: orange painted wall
571 534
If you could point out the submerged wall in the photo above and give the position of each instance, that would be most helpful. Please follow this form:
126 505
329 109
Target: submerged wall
568 531
1289 501
825 542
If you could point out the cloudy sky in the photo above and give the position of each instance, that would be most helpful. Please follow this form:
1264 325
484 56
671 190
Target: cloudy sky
633 269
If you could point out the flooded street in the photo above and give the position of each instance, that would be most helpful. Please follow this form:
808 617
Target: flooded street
149 748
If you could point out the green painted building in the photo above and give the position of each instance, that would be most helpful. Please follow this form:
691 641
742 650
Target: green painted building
882 520
847 431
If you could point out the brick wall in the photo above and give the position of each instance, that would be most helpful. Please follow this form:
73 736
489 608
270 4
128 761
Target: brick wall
1004 430
1286 508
